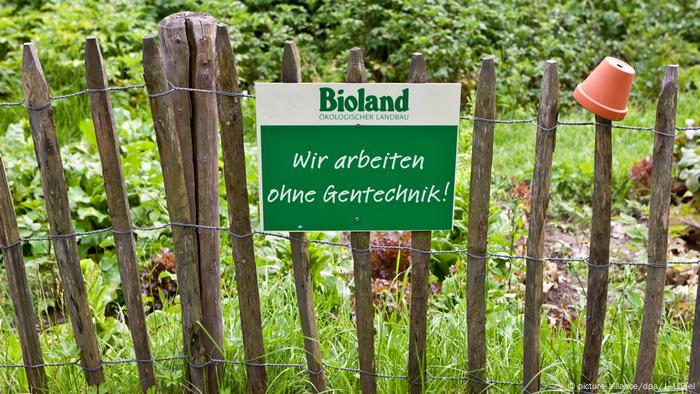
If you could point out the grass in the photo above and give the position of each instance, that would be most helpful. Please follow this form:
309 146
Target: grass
514 145
561 350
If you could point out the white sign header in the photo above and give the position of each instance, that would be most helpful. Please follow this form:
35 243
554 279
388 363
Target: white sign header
357 103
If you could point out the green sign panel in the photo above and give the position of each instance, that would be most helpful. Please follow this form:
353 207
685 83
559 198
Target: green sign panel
357 157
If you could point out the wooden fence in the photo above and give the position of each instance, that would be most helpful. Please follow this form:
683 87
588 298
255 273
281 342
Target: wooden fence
192 86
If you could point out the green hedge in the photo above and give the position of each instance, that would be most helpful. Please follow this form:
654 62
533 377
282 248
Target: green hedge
452 34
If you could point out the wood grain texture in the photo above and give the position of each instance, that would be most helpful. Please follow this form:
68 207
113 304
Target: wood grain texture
53 183
201 32
364 309
291 73
694 366
547 117
25 317
118 205
184 238
420 273
362 266
599 255
176 52
198 67
233 152
479 193
659 206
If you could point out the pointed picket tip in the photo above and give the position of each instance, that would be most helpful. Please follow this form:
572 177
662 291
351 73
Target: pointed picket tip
356 52
227 76
91 42
92 48
30 59
153 67
150 53
356 66
488 67
223 42
95 73
550 78
486 86
548 111
291 62
417 69
667 104
669 88
222 37
149 50
36 90
149 44
669 84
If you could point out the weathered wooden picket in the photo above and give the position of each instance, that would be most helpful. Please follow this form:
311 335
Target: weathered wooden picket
192 85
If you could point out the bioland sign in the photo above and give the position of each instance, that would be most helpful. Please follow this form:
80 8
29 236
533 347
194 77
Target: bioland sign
357 157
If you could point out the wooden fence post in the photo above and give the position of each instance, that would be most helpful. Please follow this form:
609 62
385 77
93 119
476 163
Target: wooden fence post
291 73
118 204
694 367
420 272
362 258
599 258
53 183
479 193
659 205
198 65
542 174
176 50
233 151
184 237
21 298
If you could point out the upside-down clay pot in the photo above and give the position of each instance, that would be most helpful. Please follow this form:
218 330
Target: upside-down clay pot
606 90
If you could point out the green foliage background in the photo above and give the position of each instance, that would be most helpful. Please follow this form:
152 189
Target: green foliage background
453 35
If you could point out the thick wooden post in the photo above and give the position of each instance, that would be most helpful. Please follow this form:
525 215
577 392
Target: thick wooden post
659 206
479 193
53 183
233 151
25 318
118 204
291 73
176 56
184 237
542 174
420 272
597 292
197 69
362 263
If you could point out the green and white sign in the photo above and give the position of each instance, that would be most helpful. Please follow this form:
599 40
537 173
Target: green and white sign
357 157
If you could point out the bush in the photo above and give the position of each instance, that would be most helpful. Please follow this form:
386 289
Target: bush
452 34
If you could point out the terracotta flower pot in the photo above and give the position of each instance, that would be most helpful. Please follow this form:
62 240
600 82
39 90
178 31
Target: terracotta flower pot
607 88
